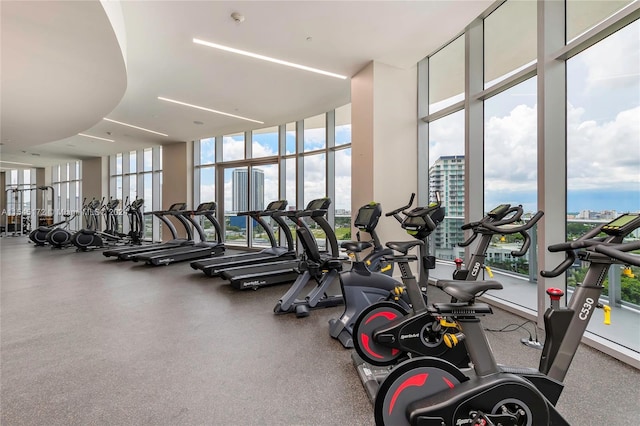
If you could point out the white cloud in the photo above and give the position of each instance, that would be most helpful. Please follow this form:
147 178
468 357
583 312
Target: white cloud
232 149
314 177
314 139
603 155
511 150
259 150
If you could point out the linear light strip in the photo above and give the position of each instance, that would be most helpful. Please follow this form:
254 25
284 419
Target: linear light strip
267 58
135 127
209 109
13 162
95 137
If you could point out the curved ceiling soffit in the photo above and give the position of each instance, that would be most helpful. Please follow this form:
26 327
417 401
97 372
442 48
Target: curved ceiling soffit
63 69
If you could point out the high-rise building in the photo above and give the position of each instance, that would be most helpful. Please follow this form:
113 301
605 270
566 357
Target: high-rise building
240 186
446 176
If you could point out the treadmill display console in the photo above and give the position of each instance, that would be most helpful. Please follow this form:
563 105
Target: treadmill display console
319 204
622 225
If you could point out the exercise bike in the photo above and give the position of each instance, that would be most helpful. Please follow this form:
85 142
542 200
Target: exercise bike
428 391
369 279
386 334
362 289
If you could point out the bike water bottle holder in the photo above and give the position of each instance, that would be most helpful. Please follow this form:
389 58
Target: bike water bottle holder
429 262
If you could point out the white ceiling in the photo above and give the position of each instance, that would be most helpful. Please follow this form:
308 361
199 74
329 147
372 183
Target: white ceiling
63 70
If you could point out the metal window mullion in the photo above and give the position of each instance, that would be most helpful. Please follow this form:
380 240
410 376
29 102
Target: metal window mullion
330 164
423 132
552 144
299 164
474 125
248 145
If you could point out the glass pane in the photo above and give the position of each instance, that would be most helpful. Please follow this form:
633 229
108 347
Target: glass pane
14 177
148 203
343 125
148 160
583 15
207 184
264 184
133 188
446 176
510 177
343 194
118 164
78 170
314 133
236 199
290 187
208 151
265 142
233 147
290 138
119 187
314 177
132 162
603 136
26 177
509 40
446 76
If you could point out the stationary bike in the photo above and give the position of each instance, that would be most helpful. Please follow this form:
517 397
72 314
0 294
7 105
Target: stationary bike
428 391
385 332
369 279
374 338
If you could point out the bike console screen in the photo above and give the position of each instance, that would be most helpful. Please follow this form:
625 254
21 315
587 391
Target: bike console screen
622 225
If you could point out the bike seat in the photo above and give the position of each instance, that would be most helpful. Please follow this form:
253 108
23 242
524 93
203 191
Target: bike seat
355 246
404 246
466 291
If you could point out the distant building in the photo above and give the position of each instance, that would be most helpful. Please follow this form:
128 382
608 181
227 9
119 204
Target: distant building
240 187
446 176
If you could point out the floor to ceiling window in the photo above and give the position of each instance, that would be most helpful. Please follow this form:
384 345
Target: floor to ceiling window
66 180
138 174
498 63
298 162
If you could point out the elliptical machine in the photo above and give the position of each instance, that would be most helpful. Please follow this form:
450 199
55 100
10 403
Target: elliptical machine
61 237
428 391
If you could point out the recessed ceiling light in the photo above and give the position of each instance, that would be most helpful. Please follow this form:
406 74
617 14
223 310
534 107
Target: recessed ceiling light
267 58
135 127
209 109
95 137
13 162
199 123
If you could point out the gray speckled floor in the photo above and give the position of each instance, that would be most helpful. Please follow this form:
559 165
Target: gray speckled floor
87 340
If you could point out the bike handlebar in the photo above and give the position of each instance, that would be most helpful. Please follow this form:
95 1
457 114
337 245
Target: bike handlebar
396 211
618 252
495 227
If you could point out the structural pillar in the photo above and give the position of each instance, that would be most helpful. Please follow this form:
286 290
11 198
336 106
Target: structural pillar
177 181
384 140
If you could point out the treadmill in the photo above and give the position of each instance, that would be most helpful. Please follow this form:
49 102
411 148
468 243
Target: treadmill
253 277
195 251
125 253
214 267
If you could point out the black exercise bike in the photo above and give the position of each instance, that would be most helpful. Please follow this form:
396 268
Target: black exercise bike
430 391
